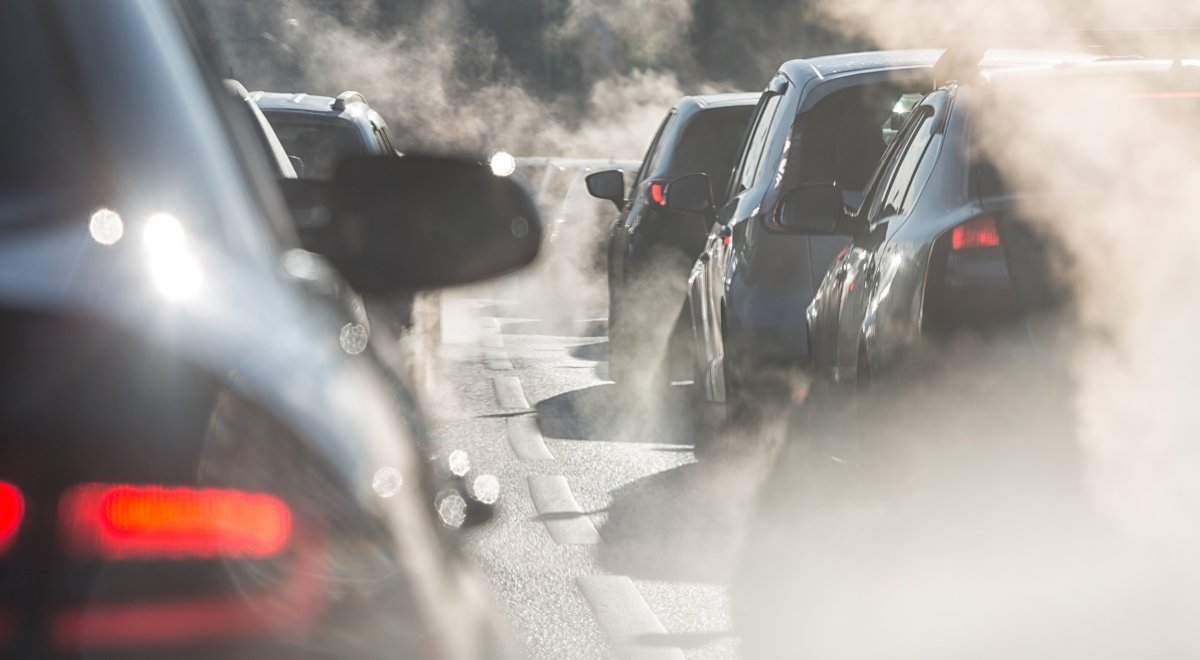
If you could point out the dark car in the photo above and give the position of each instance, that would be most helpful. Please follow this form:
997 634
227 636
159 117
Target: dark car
321 130
824 119
942 246
317 132
197 461
650 247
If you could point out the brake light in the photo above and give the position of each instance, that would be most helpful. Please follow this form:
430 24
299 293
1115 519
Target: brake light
658 193
131 522
977 233
12 510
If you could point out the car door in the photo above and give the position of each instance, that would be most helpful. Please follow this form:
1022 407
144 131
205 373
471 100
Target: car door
859 273
706 285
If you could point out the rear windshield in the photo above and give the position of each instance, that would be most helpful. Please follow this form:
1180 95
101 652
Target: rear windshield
710 144
319 143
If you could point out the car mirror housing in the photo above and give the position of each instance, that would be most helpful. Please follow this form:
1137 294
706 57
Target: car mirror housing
419 222
690 193
607 184
814 208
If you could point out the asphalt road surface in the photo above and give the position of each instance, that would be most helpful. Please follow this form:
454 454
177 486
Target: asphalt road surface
610 540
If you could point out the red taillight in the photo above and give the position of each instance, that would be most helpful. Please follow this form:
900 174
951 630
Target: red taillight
977 233
12 510
658 193
132 522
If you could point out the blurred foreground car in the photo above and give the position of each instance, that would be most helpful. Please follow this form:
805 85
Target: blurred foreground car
198 460
650 247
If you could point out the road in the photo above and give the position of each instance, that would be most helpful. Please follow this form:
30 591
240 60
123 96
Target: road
610 539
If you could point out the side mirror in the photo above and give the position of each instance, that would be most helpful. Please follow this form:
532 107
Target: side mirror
814 208
420 222
607 184
690 193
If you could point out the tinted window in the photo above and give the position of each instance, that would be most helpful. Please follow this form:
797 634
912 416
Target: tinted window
653 154
710 145
906 170
320 144
877 187
844 136
757 142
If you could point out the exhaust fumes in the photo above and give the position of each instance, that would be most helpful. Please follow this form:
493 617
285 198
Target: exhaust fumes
1041 505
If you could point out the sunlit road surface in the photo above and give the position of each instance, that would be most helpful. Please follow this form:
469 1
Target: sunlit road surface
610 540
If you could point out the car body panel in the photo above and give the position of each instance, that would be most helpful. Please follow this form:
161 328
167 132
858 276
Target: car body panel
223 295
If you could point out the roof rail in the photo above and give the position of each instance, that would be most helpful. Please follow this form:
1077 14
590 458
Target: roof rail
346 98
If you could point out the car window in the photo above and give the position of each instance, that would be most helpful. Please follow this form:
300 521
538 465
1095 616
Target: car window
844 136
907 164
320 144
653 154
710 143
877 187
756 143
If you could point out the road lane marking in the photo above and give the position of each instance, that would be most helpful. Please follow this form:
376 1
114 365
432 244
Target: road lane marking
563 517
509 393
624 616
526 439
497 360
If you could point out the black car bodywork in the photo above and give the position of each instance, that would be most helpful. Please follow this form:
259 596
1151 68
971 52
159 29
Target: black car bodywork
651 247
197 462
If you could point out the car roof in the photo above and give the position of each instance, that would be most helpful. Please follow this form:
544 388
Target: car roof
726 100
310 103
832 66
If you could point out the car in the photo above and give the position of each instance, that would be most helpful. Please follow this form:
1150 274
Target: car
317 132
320 130
401 359
942 247
819 120
198 460
650 247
